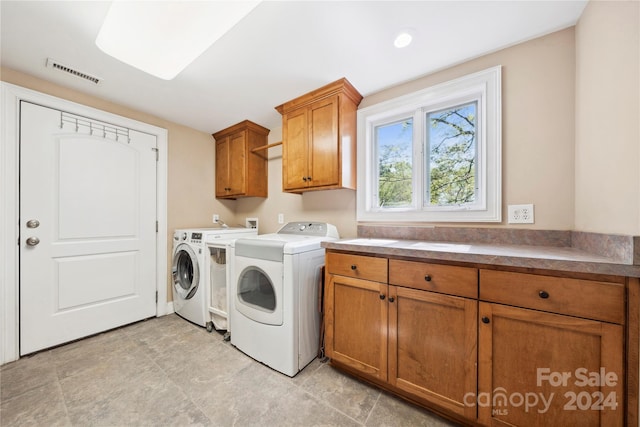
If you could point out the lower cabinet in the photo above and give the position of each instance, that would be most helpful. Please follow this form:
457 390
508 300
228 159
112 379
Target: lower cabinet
550 351
487 347
432 347
543 369
356 313
417 341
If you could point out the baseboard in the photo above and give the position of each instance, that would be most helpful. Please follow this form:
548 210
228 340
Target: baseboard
170 309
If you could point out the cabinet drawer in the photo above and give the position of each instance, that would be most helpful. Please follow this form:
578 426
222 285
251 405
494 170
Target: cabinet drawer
446 279
358 266
584 298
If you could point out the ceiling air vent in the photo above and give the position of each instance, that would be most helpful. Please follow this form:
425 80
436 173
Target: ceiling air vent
52 63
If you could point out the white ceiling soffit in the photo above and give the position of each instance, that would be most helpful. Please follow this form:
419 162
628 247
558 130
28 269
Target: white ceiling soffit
280 50
163 38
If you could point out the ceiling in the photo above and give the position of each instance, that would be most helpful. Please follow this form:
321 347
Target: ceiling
278 52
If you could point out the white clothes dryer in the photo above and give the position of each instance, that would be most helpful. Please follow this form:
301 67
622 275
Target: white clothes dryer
190 275
274 310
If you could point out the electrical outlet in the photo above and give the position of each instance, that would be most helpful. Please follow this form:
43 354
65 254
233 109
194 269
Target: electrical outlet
521 214
216 218
280 218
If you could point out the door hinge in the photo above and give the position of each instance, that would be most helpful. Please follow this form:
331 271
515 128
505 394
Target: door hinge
157 226
157 153
156 296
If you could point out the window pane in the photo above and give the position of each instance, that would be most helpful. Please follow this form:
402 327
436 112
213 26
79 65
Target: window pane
394 143
452 152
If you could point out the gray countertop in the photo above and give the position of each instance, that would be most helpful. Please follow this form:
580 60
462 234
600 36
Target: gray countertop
526 256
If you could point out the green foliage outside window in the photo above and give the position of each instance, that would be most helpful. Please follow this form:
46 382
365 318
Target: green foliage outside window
451 154
394 163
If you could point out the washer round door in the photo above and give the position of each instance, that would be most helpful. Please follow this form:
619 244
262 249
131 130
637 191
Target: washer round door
186 272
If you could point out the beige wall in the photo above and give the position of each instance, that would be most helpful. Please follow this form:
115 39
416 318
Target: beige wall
538 141
607 154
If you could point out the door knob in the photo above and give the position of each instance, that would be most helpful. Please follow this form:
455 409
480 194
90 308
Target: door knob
33 223
33 241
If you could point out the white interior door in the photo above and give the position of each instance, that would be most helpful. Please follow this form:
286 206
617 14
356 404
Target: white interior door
87 227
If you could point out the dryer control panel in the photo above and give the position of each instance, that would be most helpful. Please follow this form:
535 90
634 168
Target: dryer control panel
302 228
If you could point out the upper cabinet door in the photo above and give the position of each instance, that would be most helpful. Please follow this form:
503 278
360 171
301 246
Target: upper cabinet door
222 166
295 151
324 143
238 163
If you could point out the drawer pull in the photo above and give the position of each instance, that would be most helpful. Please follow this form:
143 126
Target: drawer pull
391 299
543 294
382 296
485 319
427 278
354 267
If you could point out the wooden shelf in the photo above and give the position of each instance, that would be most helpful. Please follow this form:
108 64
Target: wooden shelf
265 147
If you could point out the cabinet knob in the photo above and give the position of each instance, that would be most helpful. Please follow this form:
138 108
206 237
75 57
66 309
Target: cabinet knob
543 294
354 267
304 178
382 296
308 178
391 299
427 278
485 319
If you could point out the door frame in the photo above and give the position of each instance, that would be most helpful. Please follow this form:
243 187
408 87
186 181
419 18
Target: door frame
11 95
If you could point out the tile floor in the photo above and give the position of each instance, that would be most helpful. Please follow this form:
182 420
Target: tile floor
168 372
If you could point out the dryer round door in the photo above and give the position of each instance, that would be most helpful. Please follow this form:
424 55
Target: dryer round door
186 272
259 290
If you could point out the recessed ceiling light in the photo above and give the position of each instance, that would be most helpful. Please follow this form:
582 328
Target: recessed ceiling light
163 37
403 39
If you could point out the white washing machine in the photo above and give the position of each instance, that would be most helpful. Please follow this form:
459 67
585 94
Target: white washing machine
190 270
274 309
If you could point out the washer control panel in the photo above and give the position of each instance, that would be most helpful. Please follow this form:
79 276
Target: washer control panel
182 235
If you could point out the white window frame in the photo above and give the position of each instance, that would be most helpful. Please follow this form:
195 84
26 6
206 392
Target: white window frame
483 87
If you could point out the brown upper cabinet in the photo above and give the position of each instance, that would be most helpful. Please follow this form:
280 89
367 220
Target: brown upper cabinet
319 139
239 171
